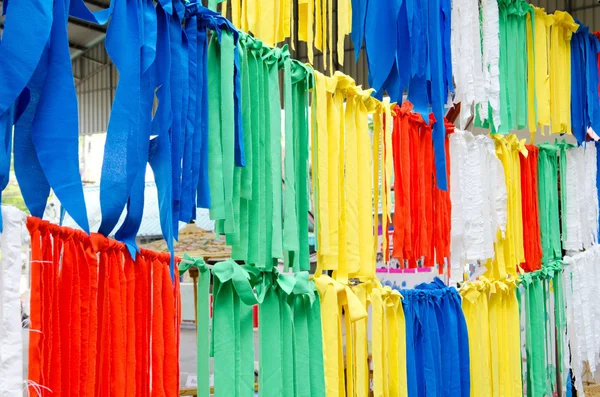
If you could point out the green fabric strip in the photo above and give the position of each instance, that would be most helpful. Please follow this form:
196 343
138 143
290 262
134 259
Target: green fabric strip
302 78
228 127
203 318
275 164
563 146
290 218
548 202
270 374
317 375
215 149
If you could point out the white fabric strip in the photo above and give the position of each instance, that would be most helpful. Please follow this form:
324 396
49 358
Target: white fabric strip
466 57
11 337
582 199
491 60
581 280
478 198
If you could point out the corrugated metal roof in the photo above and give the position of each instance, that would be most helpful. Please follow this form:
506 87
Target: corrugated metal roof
150 221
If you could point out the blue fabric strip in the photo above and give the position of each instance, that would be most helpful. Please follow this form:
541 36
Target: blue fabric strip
55 129
578 84
122 159
359 12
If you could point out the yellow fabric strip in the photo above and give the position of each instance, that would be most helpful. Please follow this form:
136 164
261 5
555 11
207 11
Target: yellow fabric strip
562 30
319 7
344 26
333 204
365 194
329 324
342 273
541 42
362 383
377 351
322 172
377 150
352 187
508 248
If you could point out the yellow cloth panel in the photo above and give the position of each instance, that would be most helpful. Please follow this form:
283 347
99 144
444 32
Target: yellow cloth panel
344 172
492 315
508 248
541 43
562 30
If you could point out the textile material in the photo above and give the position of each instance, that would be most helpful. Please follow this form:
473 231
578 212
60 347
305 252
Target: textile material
347 311
541 41
562 30
422 231
513 54
467 61
492 315
541 378
581 277
580 213
437 342
124 316
531 219
11 332
423 30
549 202
479 200
344 177
509 250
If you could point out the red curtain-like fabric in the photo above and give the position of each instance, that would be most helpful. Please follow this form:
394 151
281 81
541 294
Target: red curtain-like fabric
422 213
532 243
101 324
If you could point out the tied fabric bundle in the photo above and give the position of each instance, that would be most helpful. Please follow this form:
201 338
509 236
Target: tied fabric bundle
479 199
422 214
256 229
437 343
289 335
531 219
11 331
491 311
101 324
541 302
348 307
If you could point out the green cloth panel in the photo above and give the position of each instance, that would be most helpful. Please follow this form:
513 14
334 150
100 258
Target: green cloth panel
302 80
275 157
536 341
270 383
215 149
287 333
563 146
291 242
317 375
203 318
221 132
548 202
513 64
561 324
541 374
232 332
